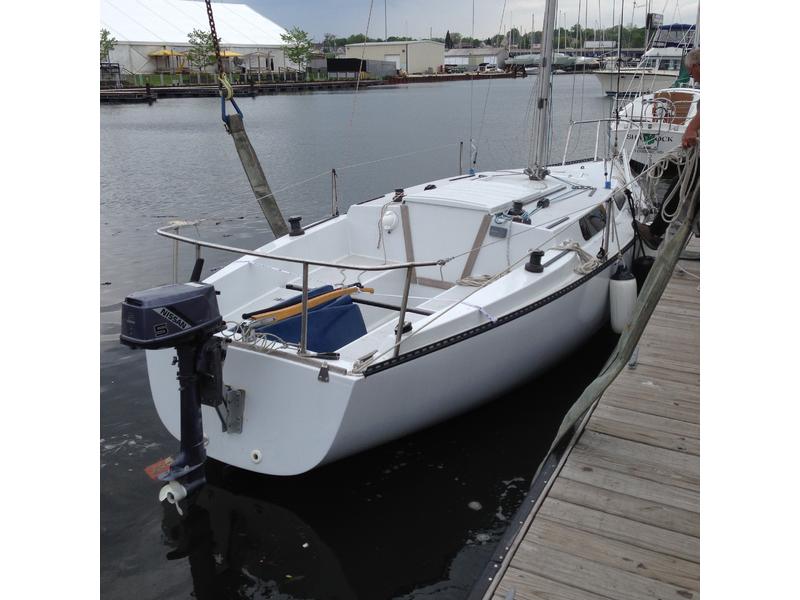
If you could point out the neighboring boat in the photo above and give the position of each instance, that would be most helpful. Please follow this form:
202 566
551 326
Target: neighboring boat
561 61
659 68
586 63
657 122
416 306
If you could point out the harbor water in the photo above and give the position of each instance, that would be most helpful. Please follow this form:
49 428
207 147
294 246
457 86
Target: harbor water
416 518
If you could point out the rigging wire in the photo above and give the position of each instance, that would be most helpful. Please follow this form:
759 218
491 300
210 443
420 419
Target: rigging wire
472 148
361 63
489 86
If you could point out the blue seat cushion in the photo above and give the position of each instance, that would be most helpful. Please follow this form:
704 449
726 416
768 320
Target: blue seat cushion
330 326
293 300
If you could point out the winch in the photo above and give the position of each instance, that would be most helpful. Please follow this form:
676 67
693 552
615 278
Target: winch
184 316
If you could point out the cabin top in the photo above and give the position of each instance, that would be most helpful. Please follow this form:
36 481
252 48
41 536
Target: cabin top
491 193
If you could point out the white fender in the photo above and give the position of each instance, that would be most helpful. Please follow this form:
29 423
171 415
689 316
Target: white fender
622 289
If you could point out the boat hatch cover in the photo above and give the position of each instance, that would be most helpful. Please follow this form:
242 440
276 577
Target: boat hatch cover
486 194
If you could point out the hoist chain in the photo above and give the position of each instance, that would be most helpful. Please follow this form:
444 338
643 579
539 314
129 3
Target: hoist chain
215 39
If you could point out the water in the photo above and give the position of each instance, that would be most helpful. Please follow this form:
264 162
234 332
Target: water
415 518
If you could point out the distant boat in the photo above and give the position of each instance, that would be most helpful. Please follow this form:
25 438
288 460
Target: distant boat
560 61
659 67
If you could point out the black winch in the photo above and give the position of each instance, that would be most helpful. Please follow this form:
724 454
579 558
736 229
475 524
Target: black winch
183 316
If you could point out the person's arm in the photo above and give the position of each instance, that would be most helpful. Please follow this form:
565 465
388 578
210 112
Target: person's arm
692 133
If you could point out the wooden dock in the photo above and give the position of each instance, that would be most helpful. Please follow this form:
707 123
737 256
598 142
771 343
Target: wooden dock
212 91
620 517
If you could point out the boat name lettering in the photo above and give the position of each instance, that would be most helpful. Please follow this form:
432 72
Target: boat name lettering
650 138
172 317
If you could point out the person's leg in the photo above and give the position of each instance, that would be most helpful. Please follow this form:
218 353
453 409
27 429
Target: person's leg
659 226
651 234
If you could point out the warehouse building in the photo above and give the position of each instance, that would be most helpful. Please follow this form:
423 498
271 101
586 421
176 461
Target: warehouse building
420 56
152 35
471 58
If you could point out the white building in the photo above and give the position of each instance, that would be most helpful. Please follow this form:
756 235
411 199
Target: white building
472 57
419 56
152 35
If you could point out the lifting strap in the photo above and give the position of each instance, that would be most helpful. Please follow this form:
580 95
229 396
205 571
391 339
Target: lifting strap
234 124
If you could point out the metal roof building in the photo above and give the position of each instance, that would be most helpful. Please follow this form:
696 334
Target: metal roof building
143 28
417 56
472 57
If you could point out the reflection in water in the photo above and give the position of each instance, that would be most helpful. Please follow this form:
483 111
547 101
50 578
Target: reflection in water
238 546
419 517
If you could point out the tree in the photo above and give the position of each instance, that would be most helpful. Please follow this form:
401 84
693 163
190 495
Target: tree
298 46
201 51
107 44
329 42
496 41
448 41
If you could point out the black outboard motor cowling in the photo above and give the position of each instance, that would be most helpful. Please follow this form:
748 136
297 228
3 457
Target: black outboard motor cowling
170 315
185 317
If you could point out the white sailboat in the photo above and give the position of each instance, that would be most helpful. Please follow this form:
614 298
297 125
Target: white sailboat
657 122
659 67
407 310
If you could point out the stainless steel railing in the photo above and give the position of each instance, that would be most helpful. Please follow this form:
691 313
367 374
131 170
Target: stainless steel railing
630 122
172 231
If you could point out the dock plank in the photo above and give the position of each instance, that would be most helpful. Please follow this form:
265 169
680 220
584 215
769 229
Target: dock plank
632 532
633 486
671 406
615 554
628 506
529 586
648 429
641 460
595 577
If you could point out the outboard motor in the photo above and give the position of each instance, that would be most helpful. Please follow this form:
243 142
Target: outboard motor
183 316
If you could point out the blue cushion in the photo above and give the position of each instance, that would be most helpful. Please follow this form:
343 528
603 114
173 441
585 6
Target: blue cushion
330 326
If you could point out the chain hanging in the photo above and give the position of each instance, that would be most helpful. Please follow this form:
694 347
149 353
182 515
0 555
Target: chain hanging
215 39
225 87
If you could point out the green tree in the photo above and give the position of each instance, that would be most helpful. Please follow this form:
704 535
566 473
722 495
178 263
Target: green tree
107 44
201 51
329 42
298 46
496 41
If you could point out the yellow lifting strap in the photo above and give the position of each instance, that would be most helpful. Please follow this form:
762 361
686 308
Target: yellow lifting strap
291 311
223 79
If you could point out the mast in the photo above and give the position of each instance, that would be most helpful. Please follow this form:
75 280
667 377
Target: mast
696 43
540 147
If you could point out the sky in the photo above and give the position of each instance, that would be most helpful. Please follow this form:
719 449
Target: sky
416 18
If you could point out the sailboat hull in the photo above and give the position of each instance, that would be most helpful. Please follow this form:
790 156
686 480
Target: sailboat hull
633 82
293 422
